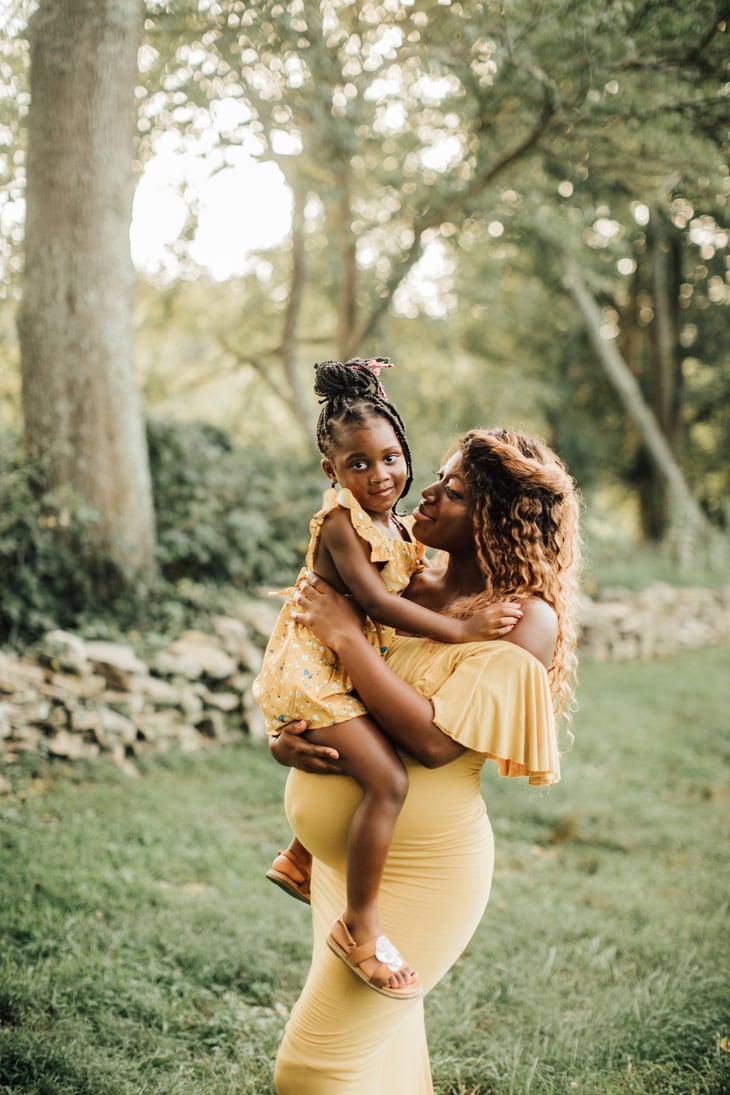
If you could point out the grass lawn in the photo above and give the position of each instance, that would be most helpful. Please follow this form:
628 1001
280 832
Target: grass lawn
143 953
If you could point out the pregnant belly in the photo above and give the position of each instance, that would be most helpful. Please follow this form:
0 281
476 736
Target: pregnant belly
437 877
443 809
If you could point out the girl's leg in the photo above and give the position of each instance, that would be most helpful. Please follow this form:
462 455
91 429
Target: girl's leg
371 761
297 851
291 870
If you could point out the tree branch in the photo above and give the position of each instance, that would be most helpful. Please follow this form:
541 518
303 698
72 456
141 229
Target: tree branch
455 202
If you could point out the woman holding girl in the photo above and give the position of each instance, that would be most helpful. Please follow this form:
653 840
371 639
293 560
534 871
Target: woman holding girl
504 513
364 550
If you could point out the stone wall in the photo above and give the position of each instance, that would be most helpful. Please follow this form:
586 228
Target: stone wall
79 699
659 621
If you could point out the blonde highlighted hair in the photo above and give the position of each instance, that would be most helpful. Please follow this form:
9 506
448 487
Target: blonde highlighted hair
525 508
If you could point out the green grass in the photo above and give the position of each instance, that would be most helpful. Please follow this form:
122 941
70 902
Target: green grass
143 953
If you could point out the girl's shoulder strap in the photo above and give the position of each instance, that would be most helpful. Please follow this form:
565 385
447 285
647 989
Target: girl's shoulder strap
402 528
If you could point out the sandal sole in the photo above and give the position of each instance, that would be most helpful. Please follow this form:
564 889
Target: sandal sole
287 885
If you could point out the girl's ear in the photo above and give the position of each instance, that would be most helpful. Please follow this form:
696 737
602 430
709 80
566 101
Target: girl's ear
329 471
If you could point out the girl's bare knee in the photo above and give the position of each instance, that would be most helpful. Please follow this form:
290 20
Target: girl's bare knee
395 787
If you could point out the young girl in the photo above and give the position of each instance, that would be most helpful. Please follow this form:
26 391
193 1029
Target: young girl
363 549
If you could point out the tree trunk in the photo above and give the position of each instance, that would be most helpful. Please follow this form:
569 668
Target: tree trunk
82 413
347 257
665 364
690 528
300 401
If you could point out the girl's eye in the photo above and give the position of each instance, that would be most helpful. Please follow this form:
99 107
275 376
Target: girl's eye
358 465
392 458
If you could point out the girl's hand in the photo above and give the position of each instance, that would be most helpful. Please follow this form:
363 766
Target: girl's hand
293 749
332 617
493 622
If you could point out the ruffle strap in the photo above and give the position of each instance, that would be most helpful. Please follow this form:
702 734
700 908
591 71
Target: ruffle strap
498 703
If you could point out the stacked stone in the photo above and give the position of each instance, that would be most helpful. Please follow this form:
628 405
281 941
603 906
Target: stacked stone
76 698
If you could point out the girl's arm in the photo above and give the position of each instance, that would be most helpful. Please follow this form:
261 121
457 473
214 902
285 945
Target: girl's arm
402 713
350 557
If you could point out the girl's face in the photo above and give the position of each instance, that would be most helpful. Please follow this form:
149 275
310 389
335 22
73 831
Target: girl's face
442 518
369 461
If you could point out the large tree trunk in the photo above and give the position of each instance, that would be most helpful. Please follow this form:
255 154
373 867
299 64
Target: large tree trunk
690 532
82 413
663 382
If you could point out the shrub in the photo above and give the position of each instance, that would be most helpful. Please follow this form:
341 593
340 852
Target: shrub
225 515
43 584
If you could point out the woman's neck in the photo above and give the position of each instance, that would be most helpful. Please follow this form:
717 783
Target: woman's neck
438 587
461 577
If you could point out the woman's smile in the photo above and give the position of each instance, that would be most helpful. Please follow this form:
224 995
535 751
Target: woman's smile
420 514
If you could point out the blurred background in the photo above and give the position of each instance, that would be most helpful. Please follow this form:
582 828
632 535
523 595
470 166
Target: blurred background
523 206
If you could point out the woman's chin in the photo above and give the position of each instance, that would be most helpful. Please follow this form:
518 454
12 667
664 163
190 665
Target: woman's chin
422 528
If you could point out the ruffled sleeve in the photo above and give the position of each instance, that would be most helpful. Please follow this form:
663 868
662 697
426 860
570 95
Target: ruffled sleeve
497 702
401 558
381 547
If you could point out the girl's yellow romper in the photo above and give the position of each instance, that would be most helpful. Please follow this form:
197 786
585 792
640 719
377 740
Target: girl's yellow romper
300 678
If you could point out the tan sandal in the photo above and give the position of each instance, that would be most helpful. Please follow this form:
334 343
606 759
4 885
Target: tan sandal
379 951
291 875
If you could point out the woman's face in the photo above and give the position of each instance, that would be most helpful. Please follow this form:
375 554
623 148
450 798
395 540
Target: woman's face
442 518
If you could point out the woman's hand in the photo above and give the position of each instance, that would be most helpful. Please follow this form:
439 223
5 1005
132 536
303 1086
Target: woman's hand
291 748
332 617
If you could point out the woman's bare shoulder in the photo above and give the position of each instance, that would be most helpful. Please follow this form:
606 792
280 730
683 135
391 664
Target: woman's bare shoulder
537 631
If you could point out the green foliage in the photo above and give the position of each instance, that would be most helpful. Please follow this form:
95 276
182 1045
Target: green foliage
564 124
44 582
143 950
225 513
469 130
226 516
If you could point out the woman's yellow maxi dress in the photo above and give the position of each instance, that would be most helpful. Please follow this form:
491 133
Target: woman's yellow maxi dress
342 1038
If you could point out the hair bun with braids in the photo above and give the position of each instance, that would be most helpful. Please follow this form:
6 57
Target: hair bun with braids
356 377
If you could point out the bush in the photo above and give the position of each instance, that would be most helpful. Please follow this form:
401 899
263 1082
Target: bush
43 583
225 515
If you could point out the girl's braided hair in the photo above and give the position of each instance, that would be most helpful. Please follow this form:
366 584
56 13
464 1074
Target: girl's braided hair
350 394
525 508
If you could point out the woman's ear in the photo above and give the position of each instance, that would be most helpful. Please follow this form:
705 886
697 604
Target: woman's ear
329 471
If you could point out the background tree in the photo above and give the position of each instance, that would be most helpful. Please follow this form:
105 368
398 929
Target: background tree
432 127
83 420
445 162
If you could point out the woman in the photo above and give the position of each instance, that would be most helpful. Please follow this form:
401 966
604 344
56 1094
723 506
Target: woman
504 512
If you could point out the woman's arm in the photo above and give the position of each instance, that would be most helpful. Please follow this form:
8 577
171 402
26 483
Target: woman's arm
403 714
350 557
293 749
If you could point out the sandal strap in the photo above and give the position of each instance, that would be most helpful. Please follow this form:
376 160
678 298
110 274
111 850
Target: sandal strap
362 951
296 863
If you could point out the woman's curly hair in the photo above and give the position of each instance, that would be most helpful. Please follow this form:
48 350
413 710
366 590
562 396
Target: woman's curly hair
525 508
